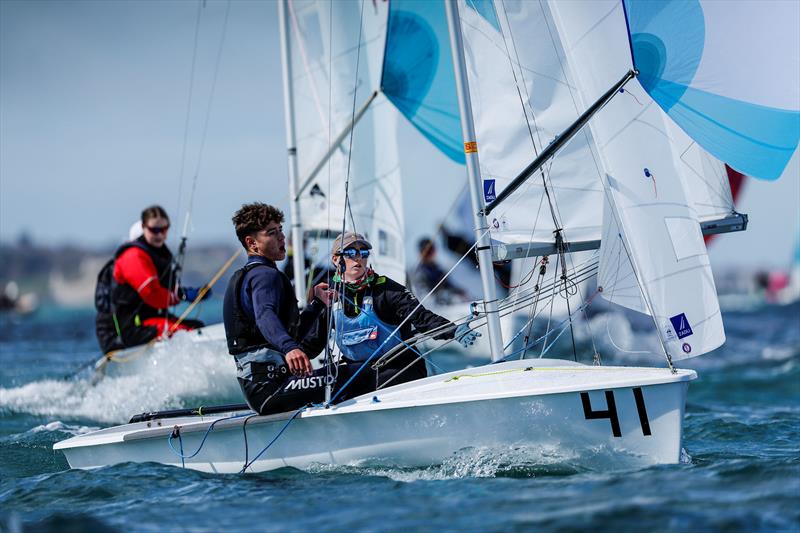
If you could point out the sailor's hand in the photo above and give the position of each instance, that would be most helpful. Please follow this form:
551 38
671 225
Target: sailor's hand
466 336
322 293
298 362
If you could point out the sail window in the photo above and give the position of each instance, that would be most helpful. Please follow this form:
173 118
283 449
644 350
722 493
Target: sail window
687 241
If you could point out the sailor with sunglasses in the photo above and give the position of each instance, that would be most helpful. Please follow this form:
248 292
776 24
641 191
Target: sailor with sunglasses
366 316
137 287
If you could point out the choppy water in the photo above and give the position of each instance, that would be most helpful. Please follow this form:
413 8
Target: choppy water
741 469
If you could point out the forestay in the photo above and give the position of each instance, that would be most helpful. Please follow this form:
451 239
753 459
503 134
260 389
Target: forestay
652 257
333 75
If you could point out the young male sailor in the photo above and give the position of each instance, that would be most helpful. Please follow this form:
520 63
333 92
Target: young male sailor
263 323
137 287
368 312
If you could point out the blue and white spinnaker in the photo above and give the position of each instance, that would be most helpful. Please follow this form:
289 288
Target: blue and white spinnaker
728 73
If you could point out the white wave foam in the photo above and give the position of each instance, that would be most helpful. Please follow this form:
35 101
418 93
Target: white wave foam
517 461
158 379
51 427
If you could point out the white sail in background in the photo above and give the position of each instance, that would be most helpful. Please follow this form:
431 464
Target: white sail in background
651 222
516 67
333 75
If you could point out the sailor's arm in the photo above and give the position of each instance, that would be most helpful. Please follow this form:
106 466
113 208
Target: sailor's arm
135 268
312 332
266 293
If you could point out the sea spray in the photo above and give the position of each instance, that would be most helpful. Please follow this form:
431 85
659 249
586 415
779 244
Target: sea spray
175 373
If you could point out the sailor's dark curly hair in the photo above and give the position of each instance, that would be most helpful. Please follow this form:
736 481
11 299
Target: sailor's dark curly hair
252 218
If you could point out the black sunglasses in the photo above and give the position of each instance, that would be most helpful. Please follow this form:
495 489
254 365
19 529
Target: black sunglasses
157 230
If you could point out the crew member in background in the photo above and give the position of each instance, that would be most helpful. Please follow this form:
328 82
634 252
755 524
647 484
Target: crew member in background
138 286
428 274
368 312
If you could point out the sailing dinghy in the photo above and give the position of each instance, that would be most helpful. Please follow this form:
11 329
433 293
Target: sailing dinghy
629 70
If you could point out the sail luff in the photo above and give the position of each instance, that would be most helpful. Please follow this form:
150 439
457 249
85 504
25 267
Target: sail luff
298 257
479 221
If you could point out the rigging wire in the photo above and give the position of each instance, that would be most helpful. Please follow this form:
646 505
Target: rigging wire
329 366
329 359
177 263
207 117
188 108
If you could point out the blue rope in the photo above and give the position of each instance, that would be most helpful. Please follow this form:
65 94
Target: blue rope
202 442
267 447
536 342
180 441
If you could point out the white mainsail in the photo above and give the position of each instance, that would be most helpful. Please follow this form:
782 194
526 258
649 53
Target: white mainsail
334 74
522 98
651 223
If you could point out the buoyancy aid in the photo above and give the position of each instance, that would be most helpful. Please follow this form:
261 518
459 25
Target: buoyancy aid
241 331
120 309
128 306
365 334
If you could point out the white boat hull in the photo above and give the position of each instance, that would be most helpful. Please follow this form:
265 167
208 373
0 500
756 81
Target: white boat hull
135 360
541 404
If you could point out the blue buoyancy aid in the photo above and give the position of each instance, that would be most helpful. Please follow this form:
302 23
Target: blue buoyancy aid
360 336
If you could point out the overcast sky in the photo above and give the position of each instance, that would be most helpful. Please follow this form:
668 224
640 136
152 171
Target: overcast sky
93 103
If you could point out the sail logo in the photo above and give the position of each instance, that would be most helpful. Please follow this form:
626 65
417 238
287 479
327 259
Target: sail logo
488 190
681 325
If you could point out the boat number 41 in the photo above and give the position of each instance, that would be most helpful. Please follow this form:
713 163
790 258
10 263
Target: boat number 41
611 411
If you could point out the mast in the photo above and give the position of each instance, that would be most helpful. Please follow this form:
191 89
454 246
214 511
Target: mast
484 249
298 257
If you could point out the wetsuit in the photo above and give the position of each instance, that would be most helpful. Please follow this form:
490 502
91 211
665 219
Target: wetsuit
140 297
359 337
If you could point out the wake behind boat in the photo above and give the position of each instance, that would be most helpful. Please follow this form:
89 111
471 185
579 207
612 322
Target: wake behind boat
543 403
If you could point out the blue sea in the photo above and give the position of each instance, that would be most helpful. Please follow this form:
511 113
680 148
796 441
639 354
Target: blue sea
740 470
